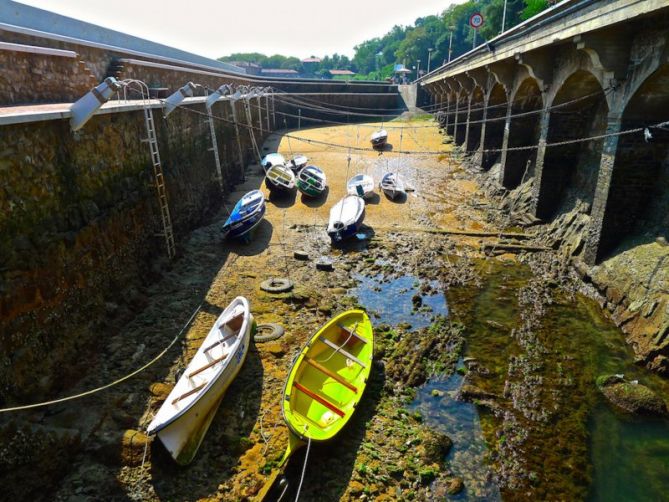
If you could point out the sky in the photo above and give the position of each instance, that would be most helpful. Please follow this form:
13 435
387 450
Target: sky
217 28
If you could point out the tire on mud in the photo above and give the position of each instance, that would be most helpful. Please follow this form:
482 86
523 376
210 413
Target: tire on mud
267 332
277 285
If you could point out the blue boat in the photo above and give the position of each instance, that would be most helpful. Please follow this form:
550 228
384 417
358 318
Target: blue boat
246 215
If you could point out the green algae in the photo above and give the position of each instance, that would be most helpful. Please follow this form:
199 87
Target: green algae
548 431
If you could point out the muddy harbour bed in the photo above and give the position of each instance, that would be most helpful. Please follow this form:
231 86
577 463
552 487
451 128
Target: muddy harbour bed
491 374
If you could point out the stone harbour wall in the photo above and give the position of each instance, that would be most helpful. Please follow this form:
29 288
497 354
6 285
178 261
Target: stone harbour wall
78 223
32 77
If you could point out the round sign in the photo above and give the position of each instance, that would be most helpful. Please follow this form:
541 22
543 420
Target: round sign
476 20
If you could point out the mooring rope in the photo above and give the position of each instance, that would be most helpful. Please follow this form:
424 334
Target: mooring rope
304 470
112 384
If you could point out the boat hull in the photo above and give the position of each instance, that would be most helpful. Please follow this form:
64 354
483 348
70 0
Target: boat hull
183 437
311 181
184 418
244 227
280 178
346 218
328 378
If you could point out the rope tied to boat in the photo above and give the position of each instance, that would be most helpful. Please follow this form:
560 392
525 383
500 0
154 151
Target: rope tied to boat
112 384
304 470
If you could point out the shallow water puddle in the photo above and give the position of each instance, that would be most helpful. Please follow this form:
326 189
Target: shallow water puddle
460 421
392 300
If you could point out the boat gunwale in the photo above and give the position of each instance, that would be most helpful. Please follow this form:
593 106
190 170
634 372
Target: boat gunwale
299 360
234 347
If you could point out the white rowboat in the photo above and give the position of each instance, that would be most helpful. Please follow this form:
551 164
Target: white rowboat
183 420
361 185
392 185
272 159
280 177
346 216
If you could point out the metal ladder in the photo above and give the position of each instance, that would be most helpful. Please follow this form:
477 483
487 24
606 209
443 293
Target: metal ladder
249 120
168 232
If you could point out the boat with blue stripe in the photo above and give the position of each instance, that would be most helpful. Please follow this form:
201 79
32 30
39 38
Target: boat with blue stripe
246 215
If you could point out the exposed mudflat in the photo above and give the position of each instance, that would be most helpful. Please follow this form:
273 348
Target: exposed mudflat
484 379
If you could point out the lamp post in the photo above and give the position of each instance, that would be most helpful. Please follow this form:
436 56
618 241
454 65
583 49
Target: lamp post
429 57
87 105
417 69
177 98
503 17
450 43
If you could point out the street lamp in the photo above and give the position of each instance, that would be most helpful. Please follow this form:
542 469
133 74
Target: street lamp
87 105
418 69
429 56
450 42
177 98
503 17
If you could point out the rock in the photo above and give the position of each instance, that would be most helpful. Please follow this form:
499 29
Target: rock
660 364
275 348
160 390
631 396
356 487
455 486
469 392
434 447
133 445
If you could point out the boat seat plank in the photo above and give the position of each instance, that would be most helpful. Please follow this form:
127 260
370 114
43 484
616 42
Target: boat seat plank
331 374
189 393
222 340
351 332
342 351
319 399
211 363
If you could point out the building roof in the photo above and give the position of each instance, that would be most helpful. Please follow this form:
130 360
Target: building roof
341 72
278 70
311 60
24 16
245 64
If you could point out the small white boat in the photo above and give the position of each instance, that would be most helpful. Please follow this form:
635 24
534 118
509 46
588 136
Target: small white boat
361 185
379 138
280 177
392 185
346 216
184 418
298 162
272 159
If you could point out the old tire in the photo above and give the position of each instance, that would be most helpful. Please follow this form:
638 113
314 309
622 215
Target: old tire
277 285
267 332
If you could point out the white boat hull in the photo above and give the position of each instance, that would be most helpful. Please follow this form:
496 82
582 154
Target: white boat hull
181 423
361 185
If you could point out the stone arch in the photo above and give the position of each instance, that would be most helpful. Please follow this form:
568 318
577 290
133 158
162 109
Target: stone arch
526 101
569 172
638 201
473 134
493 137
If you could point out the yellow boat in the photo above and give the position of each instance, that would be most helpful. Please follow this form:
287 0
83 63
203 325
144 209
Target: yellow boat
326 382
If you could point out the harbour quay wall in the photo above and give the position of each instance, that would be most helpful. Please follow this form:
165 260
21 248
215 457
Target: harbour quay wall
80 221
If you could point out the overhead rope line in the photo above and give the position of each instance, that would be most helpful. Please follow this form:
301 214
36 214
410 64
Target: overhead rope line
437 152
